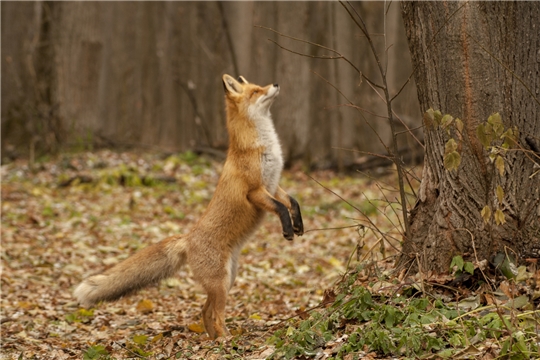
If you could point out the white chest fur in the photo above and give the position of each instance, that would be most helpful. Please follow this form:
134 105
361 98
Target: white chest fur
272 158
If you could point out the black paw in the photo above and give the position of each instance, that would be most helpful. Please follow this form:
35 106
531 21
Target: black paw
288 235
298 226
299 229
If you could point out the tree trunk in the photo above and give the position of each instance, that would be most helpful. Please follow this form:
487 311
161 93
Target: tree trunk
148 74
485 59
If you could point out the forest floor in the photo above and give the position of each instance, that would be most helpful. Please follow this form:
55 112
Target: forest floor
66 218
331 293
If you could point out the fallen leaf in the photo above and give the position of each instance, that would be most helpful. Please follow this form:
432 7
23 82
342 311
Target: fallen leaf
145 306
196 327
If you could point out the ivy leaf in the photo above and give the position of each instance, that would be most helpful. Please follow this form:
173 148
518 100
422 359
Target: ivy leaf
496 123
452 161
468 267
484 136
499 164
450 146
500 193
437 116
458 262
499 217
486 213
459 125
429 117
510 139
446 121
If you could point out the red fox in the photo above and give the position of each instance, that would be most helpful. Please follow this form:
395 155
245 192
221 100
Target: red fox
248 187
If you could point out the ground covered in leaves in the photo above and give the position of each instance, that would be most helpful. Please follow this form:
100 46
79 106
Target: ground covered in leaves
330 294
77 214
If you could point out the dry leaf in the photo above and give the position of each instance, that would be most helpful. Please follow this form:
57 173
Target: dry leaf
196 327
145 306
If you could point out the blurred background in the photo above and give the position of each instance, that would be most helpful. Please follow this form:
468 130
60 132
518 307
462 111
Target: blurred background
147 75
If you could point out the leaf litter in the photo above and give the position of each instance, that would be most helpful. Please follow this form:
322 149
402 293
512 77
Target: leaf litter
76 215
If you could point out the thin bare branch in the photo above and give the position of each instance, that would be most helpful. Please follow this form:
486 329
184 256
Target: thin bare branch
334 228
359 108
400 120
364 152
361 114
394 152
323 57
351 205
409 130
393 209
339 57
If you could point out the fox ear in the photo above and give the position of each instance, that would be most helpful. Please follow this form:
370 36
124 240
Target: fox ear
231 85
242 80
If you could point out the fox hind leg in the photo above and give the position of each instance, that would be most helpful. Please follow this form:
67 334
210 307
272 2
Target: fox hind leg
213 313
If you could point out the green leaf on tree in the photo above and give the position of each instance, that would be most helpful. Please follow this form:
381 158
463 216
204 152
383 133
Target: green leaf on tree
500 193
484 135
450 146
459 125
499 164
452 161
437 116
499 217
510 138
486 213
496 122
446 121
429 117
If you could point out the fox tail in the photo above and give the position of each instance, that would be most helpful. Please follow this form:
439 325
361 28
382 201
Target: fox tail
148 266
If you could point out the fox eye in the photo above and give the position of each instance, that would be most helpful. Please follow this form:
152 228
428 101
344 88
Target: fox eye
255 92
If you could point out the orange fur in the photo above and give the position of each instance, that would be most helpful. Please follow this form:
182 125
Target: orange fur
246 189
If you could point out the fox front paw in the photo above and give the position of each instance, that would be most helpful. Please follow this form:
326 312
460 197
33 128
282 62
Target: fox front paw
299 229
288 235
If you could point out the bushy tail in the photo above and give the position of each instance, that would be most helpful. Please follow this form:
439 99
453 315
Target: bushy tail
148 266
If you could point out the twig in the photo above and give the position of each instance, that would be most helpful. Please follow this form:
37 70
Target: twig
358 108
335 228
6 319
228 36
361 114
129 350
394 151
400 120
193 99
350 204
338 57
394 210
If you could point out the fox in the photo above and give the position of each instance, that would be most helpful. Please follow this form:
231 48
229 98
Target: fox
248 188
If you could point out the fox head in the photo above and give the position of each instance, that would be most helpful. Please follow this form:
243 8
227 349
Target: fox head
249 98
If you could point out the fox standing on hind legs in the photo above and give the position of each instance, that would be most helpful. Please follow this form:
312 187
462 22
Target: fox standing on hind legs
247 188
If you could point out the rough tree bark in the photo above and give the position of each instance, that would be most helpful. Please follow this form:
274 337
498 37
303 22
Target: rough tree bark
484 59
